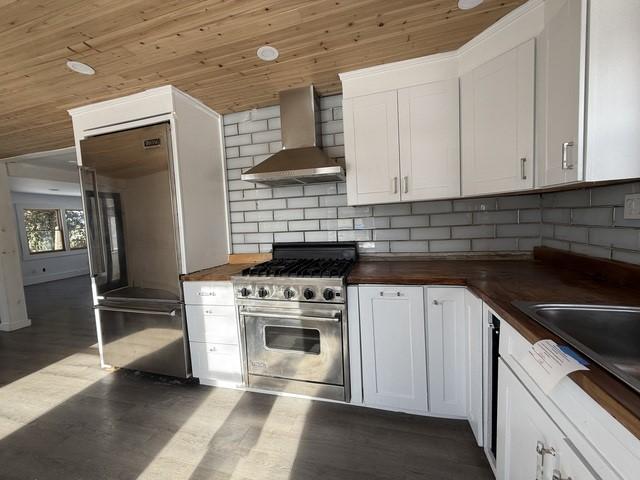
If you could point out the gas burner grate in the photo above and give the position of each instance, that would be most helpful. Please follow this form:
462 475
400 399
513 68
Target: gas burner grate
301 267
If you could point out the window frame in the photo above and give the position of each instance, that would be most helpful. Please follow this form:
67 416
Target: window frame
67 231
60 228
22 231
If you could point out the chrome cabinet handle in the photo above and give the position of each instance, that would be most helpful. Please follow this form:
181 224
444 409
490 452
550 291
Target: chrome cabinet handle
558 476
395 184
565 161
207 294
390 294
523 168
406 184
541 451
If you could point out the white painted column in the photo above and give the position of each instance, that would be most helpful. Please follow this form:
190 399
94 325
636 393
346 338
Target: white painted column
13 310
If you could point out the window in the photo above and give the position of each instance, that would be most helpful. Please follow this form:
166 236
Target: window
44 230
75 229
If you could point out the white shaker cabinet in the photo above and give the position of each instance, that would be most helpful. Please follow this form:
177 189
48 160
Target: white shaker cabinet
473 314
394 366
447 351
403 145
372 149
497 120
429 122
530 445
561 92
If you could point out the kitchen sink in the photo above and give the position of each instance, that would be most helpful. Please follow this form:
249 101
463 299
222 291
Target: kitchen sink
608 335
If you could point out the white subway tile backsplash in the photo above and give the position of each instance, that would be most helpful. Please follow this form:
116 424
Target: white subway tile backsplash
430 233
304 225
584 220
325 236
449 246
288 237
323 212
289 214
250 127
273 204
255 149
392 209
302 202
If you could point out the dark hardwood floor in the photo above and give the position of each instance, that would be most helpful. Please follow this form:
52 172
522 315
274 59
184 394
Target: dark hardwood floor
62 417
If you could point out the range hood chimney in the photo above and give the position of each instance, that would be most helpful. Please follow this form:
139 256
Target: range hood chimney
301 159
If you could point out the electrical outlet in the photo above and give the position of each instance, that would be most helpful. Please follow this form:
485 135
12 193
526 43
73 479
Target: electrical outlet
632 207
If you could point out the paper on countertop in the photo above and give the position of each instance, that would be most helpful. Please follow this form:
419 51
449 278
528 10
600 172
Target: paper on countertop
547 364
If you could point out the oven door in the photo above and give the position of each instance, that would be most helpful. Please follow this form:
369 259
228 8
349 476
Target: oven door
294 344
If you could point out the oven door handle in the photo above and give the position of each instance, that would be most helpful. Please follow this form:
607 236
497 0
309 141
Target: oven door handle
334 318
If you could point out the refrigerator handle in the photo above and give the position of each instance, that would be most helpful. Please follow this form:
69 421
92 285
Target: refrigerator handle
99 257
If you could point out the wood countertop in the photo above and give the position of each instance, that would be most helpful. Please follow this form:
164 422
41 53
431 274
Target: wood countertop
551 277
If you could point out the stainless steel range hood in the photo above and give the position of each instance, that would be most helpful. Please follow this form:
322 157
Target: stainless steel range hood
301 159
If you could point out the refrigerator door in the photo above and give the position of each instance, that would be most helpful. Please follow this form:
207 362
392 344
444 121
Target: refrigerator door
128 190
144 336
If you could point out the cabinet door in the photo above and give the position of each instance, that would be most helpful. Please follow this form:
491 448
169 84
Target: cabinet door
447 351
522 426
474 327
394 368
497 116
561 92
429 140
372 149
215 363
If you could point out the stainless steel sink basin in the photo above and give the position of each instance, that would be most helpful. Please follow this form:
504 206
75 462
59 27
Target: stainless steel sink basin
608 335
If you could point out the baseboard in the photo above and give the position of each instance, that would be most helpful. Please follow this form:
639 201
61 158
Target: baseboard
50 277
11 326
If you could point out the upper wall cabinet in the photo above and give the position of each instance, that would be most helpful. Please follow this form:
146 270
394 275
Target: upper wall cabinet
561 84
403 144
429 140
497 117
371 148
588 103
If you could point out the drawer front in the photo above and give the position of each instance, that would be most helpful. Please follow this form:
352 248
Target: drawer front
212 324
208 293
216 362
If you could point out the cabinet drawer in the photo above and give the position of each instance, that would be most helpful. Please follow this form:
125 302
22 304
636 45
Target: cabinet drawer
208 293
215 362
212 324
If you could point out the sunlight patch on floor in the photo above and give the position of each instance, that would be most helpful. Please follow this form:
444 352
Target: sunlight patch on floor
32 396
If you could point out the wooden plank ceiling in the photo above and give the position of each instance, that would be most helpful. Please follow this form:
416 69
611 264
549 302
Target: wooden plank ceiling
206 48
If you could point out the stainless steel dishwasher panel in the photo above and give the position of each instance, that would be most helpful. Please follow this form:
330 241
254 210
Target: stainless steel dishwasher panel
146 337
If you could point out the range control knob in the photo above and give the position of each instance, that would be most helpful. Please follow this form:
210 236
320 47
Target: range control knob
308 293
289 293
262 292
245 292
328 294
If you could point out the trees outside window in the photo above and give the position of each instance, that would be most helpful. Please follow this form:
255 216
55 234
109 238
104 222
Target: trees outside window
44 230
75 229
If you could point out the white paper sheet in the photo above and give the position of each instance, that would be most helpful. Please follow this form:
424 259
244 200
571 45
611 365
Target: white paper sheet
548 364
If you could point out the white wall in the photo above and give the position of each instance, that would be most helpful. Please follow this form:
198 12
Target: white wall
46 267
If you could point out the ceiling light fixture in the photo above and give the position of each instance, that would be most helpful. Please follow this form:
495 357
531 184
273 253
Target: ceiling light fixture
80 67
267 53
468 4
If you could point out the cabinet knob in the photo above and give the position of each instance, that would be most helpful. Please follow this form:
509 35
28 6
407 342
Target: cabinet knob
436 302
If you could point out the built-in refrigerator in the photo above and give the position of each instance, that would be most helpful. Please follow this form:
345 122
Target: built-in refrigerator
132 228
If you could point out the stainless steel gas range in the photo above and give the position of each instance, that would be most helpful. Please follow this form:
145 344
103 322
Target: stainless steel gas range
293 318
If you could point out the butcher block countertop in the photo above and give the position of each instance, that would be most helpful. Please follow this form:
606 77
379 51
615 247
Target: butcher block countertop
552 276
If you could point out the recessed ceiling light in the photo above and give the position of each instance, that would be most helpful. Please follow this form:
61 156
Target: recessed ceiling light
468 4
80 67
267 53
